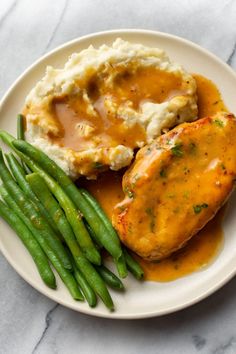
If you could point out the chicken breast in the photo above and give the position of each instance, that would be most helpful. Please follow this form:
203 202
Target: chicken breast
176 185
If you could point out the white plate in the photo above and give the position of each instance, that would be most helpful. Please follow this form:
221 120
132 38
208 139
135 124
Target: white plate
140 299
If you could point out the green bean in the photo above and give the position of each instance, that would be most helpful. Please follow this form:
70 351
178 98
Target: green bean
20 127
8 139
110 278
88 292
30 243
42 191
133 266
119 262
109 240
92 218
93 235
30 211
121 266
95 205
72 215
67 205
20 178
65 275
21 134
95 281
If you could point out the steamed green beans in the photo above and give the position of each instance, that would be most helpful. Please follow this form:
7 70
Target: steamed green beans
90 274
20 127
71 213
109 240
65 275
110 278
39 257
97 223
87 290
20 178
121 266
113 237
31 212
21 134
133 266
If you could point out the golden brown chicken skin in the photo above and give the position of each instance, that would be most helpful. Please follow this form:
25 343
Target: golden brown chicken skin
176 185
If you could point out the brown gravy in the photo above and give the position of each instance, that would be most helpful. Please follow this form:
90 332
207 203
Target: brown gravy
202 249
107 128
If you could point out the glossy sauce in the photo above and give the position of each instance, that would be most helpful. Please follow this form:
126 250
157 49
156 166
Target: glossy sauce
107 129
209 97
204 247
199 252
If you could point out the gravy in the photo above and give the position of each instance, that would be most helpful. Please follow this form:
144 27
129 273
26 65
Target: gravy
204 246
99 110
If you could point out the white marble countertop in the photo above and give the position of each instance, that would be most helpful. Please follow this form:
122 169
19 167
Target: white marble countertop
31 323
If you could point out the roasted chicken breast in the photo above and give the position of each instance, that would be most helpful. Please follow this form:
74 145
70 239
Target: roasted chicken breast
176 185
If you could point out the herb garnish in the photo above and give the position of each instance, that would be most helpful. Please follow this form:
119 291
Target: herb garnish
129 192
150 212
176 210
177 150
218 122
98 165
198 207
171 195
135 179
186 194
163 173
122 208
148 151
222 166
192 148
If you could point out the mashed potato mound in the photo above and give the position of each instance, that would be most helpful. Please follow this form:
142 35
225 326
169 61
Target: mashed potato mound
105 103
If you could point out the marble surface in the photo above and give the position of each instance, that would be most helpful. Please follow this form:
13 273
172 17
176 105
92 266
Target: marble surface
31 323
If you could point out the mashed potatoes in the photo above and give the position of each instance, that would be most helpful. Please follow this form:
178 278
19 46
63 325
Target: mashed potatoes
105 103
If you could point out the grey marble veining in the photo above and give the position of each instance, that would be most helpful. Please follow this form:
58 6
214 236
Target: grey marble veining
31 323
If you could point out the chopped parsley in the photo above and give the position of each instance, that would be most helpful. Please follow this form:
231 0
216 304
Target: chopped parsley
163 173
171 195
135 179
129 192
222 166
148 151
218 122
122 208
186 194
150 213
177 150
176 210
192 148
98 165
198 207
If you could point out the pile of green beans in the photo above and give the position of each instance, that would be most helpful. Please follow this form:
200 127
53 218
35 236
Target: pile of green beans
60 223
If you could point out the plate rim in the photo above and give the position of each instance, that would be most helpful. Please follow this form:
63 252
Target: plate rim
88 310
